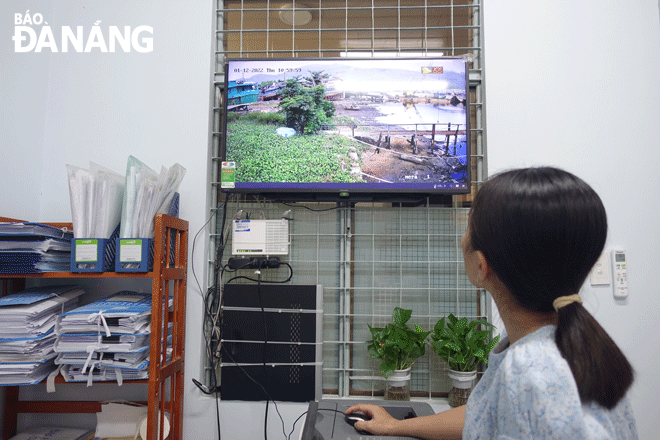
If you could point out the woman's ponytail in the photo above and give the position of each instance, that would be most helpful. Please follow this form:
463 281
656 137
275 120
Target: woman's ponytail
588 348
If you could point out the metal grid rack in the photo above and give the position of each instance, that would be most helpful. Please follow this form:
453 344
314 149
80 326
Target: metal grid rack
369 257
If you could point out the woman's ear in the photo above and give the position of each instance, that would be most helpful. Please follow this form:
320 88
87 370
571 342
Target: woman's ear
484 270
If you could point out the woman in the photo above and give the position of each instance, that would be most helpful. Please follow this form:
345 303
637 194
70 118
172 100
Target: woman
533 235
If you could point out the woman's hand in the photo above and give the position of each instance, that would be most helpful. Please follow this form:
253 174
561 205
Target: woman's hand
381 423
445 425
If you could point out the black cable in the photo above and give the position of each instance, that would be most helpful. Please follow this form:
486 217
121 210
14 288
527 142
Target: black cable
259 280
311 209
209 316
293 428
224 350
263 357
220 249
212 295
192 258
217 398
263 352
243 277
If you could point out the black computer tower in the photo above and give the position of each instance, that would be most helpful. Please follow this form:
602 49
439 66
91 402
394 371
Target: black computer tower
271 342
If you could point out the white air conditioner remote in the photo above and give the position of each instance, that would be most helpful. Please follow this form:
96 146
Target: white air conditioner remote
620 273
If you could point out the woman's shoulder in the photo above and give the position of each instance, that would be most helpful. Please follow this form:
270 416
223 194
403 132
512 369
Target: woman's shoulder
530 390
535 359
533 368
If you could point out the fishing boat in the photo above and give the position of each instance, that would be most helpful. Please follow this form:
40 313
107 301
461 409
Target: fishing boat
240 93
271 92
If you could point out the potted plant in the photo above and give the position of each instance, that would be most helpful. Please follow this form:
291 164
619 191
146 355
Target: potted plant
462 345
398 346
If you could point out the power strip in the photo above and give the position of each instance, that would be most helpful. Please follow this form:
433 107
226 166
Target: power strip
253 263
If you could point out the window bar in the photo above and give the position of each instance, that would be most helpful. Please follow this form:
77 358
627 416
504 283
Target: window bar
428 286
320 34
346 26
426 32
373 30
453 37
240 37
411 28
267 28
373 278
362 8
479 94
345 303
293 29
400 260
398 28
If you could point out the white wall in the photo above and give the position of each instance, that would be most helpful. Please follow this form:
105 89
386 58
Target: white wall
23 97
573 86
73 108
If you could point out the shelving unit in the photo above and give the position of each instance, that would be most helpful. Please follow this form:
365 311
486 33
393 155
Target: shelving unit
165 383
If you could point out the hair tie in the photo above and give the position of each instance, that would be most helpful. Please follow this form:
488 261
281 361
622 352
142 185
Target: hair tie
562 301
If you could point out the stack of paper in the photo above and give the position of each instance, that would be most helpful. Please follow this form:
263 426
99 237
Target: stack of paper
26 335
33 247
106 340
96 198
147 194
54 434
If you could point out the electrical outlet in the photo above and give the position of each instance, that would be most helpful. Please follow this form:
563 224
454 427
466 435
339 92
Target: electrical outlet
600 273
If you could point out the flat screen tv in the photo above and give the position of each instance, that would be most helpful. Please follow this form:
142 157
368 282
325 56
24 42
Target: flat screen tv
346 129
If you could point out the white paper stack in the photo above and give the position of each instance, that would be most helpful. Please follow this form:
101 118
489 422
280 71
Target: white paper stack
106 340
26 336
34 247
96 200
46 433
147 194
117 420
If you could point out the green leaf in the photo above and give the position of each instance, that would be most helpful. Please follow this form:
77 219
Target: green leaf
447 333
474 323
386 369
462 324
493 343
439 325
462 343
401 316
397 345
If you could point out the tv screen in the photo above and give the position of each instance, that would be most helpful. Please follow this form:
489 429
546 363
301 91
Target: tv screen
356 129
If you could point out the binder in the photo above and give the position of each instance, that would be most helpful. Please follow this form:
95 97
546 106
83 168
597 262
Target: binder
137 254
94 254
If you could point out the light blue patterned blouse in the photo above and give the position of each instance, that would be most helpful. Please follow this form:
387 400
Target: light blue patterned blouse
528 392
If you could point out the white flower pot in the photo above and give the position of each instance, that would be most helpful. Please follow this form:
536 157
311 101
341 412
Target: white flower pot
462 379
398 385
462 382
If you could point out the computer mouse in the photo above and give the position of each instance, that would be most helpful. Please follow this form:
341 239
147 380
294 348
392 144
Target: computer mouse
355 417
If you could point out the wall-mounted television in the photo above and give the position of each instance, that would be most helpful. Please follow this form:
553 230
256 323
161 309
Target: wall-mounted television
346 129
